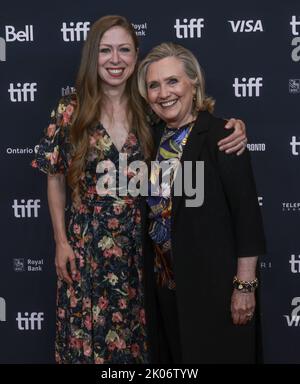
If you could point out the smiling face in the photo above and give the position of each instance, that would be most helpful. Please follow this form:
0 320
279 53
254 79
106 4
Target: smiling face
170 91
117 57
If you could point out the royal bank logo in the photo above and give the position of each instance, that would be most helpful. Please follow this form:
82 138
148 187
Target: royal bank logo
11 34
2 309
291 206
26 208
30 322
19 265
293 320
295 146
295 263
246 25
294 86
140 29
189 28
295 43
247 87
256 147
2 49
28 265
75 31
22 92
68 90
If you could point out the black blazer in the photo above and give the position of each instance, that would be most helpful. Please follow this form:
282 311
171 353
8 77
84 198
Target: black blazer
206 242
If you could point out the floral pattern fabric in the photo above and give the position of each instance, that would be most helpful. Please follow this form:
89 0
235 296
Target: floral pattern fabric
169 154
101 317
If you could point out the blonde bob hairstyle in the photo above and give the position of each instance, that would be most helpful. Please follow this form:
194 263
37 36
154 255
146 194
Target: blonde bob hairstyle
191 67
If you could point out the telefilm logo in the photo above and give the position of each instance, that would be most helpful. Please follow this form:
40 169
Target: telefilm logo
246 25
2 309
293 320
22 92
2 49
189 28
30 265
75 31
26 209
295 146
12 35
295 25
291 206
247 87
295 263
30 322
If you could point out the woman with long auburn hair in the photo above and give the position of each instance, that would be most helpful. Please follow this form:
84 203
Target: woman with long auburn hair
100 290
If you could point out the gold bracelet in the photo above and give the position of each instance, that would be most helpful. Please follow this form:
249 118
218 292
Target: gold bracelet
245 286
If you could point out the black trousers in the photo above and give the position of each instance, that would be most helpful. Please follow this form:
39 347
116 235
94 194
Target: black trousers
168 324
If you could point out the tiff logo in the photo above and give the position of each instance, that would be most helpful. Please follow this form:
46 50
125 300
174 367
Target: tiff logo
294 318
294 23
296 40
247 88
32 322
246 25
2 309
20 92
295 264
11 35
295 144
187 29
26 209
2 49
75 32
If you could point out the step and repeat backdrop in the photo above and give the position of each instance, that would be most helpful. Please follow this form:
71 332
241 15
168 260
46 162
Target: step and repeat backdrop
250 53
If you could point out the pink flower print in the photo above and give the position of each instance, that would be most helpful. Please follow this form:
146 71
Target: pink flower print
103 302
113 223
122 303
88 322
117 317
120 344
76 229
135 350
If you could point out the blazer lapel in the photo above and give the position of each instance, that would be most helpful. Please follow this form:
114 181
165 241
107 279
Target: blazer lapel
192 149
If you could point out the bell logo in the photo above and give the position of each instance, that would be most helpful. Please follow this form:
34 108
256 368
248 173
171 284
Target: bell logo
2 49
188 29
295 144
26 209
246 25
247 87
75 32
21 36
2 309
295 264
30 322
294 319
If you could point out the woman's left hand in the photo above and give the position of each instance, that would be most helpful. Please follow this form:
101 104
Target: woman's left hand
242 307
237 141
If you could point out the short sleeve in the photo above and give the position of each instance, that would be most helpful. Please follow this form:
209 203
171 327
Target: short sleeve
53 153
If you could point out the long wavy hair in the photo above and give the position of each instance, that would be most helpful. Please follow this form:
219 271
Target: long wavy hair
90 97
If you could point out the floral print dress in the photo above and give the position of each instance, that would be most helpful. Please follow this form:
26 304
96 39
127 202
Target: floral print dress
101 317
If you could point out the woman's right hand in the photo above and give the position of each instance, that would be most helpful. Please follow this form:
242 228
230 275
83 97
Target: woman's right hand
64 254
